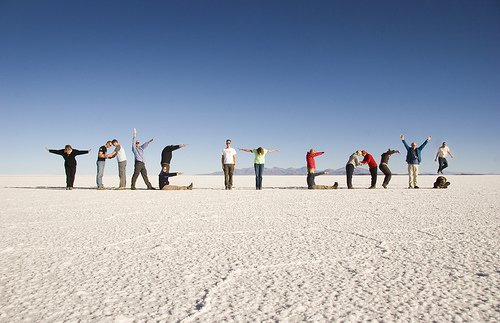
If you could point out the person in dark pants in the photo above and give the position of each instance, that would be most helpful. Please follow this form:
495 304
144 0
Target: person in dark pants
312 185
69 154
259 162
441 155
350 166
228 160
139 166
166 155
384 168
372 165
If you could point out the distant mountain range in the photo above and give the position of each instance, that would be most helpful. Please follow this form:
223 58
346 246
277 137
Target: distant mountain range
303 171
290 171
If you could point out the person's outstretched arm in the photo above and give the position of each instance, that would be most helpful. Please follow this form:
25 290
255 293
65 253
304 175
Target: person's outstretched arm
59 152
404 142
134 139
425 143
144 145
81 152
393 152
273 150
247 150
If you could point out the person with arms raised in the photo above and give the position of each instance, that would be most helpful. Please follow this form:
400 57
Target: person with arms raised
139 165
413 158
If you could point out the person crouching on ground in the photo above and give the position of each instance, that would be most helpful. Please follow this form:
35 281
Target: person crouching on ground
165 184
441 182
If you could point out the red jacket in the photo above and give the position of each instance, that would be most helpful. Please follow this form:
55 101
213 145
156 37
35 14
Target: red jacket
310 159
370 161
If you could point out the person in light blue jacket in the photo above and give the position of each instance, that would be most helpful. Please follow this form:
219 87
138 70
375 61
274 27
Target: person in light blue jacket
139 166
413 158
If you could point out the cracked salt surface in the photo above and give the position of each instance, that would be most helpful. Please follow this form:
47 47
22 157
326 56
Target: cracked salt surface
244 255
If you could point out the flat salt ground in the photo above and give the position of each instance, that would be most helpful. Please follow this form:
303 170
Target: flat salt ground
244 255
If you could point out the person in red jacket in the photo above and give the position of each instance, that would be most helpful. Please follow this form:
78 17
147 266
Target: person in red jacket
372 165
311 164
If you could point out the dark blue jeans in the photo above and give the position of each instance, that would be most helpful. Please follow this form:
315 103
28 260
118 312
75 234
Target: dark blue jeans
443 163
259 170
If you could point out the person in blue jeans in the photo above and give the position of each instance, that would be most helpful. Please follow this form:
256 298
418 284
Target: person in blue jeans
102 155
258 164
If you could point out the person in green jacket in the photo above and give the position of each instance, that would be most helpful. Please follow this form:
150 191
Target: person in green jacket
259 161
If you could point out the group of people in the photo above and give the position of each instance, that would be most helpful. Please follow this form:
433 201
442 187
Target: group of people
413 158
69 154
228 160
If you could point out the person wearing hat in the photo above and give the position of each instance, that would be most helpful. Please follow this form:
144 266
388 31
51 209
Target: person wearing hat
372 165
441 155
413 158
350 166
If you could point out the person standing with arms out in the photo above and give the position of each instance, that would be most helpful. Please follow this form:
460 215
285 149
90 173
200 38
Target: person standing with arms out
166 155
350 166
69 154
311 163
441 155
228 160
139 165
259 161
372 165
384 168
413 158
101 162
121 157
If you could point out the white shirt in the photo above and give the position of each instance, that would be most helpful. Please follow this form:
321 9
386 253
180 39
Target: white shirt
229 154
443 151
120 155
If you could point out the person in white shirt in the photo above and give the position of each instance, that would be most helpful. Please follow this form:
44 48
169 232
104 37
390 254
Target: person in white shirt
441 155
121 157
228 163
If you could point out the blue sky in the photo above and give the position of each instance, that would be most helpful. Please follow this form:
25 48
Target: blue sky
334 75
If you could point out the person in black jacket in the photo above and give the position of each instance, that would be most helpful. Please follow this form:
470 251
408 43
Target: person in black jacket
69 154
165 184
166 154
